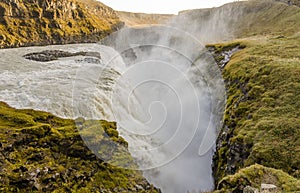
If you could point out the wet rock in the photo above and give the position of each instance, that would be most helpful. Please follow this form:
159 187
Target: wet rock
266 188
56 175
139 187
46 170
90 61
129 53
224 56
249 189
50 55
92 54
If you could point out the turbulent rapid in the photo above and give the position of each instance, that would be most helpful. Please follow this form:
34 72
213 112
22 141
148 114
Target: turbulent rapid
165 92
48 86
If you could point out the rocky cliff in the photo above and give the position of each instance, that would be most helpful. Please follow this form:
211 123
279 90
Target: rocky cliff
39 22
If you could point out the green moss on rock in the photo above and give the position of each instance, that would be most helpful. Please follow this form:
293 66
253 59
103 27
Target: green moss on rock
43 153
254 176
262 119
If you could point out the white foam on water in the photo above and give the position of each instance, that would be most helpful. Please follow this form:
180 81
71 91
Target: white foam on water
159 84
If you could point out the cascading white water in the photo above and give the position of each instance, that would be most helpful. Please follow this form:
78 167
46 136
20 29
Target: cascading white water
160 99
48 86
172 108
160 85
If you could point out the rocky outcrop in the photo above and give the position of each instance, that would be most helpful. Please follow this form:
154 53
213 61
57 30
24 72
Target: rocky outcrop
222 55
39 22
50 55
268 188
249 189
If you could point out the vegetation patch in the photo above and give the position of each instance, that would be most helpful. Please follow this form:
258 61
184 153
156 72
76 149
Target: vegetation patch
254 176
43 153
262 118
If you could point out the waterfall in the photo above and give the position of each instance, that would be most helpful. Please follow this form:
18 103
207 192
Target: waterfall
158 83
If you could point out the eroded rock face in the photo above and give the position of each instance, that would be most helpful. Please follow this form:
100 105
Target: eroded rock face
39 22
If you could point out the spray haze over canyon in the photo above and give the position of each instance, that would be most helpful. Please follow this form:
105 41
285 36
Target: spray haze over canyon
158 82
165 98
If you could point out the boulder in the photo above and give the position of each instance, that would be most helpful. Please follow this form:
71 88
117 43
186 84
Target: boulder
265 188
249 189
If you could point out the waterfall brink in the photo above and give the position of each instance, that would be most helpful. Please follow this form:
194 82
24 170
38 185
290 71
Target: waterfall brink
158 83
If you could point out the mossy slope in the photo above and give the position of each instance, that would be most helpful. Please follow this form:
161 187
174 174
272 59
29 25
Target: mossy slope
264 17
255 175
262 117
43 153
39 22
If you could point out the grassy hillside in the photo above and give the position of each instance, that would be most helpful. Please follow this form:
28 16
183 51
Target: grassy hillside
243 19
43 153
265 18
262 117
38 22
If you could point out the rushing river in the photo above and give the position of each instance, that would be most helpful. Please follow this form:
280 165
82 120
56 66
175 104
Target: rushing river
158 83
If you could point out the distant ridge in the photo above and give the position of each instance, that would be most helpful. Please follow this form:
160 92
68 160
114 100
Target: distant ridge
134 19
